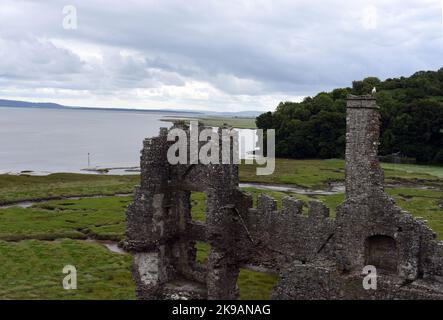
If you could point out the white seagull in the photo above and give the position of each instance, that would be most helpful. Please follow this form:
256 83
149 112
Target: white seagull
374 91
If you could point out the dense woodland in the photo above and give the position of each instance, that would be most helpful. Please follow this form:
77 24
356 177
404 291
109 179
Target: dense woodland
411 119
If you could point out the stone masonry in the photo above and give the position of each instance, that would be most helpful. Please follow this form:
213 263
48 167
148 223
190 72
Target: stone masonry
315 256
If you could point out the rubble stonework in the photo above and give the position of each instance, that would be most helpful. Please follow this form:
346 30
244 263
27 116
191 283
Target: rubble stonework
315 256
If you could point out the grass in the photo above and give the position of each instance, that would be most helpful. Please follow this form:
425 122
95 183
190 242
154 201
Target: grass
235 122
253 285
33 270
427 204
202 252
239 123
316 174
101 218
198 206
307 173
436 171
24 187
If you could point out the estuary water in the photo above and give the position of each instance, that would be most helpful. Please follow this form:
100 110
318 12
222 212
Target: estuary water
52 140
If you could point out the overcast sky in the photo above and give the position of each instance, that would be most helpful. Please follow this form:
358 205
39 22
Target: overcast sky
214 55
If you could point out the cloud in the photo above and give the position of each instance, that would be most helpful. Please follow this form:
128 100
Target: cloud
22 60
210 54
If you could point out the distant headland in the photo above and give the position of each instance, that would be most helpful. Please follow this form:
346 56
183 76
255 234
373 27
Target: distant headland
49 105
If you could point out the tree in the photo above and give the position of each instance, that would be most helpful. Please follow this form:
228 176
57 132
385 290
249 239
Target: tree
411 119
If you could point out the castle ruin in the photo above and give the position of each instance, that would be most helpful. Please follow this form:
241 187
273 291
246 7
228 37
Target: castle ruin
315 256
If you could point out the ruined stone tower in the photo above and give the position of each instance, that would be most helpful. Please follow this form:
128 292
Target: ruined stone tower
315 256
363 173
162 234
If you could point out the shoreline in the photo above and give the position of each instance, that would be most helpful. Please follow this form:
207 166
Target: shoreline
112 171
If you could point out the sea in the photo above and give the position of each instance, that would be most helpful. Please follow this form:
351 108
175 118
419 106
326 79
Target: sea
42 141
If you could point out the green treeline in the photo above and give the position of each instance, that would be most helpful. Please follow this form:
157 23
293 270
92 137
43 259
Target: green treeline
411 119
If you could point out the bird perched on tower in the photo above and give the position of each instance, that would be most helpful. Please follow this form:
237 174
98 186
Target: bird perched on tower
374 91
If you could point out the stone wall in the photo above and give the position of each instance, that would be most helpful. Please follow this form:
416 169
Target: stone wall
314 255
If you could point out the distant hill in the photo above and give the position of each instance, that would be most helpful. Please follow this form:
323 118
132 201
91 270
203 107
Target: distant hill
24 104
48 105
411 111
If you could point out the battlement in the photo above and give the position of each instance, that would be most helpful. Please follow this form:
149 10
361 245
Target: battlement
291 206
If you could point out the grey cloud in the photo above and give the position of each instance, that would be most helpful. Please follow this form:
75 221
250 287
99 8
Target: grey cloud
25 58
239 47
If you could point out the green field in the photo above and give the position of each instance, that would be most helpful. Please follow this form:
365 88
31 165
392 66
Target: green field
25 187
316 174
32 269
99 218
36 242
235 122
